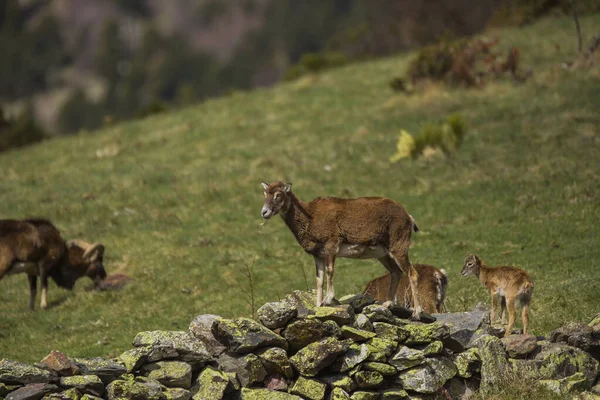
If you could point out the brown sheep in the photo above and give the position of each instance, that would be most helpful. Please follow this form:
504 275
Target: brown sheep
506 284
433 284
363 228
35 247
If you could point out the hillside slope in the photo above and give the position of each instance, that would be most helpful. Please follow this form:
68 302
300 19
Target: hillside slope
176 198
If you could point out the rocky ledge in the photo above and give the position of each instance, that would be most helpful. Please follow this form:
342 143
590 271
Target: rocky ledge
355 350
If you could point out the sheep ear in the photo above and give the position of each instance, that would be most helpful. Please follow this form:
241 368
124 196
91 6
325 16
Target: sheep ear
287 188
264 185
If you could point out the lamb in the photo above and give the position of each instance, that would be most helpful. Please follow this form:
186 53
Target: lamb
36 248
433 283
506 284
363 228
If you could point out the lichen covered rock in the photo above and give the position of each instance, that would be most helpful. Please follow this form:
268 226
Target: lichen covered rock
390 332
89 384
339 381
277 314
211 384
309 389
462 327
16 373
201 329
129 389
394 394
248 368
383 368
494 363
341 315
186 347
361 321
426 333
429 377
468 363
355 354
567 386
316 356
357 301
405 358
339 394
303 332
368 379
134 358
243 335
275 361
364 395
32 391
170 373
266 394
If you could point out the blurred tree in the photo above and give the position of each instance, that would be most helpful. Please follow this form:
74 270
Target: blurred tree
19 132
79 113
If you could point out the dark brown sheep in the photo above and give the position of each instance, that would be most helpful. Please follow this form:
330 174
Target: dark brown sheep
35 247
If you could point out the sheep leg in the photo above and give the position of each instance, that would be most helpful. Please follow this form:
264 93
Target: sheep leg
44 285
400 255
330 291
395 274
32 291
525 316
493 311
510 302
320 271
503 310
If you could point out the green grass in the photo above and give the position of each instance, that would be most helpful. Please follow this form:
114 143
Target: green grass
178 207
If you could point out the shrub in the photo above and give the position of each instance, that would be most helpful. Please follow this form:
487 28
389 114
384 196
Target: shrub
314 63
19 132
447 137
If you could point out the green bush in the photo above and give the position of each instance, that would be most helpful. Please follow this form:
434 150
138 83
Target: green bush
522 12
19 132
447 137
314 63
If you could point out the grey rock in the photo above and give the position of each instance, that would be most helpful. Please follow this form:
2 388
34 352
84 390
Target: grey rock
378 313
170 373
275 361
351 358
368 379
211 384
87 384
303 332
310 389
405 358
316 356
33 391
16 373
59 363
264 394
519 346
579 335
468 363
243 335
276 382
201 328
248 368
276 314
357 301
494 363
342 314
388 331
358 335
339 381
462 327
106 370
339 394
166 343
361 321
303 302
429 377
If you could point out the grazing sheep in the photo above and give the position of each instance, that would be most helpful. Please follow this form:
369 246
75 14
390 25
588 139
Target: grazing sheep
35 247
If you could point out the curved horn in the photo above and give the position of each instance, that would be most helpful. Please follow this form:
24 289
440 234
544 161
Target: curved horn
82 244
96 246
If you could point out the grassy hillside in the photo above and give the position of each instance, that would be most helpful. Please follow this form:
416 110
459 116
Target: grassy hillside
176 198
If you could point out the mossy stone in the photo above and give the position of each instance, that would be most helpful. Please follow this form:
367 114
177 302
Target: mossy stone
368 379
426 333
383 368
358 335
170 373
16 373
339 381
89 384
390 332
309 389
468 363
339 394
244 335
266 394
363 395
211 384
275 361
316 356
134 358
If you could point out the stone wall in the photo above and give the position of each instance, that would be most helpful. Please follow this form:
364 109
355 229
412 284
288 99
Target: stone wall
355 350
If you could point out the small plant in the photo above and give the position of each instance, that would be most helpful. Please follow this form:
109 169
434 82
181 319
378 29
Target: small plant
248 272
447 137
